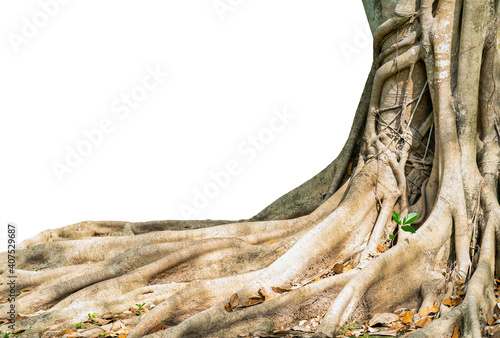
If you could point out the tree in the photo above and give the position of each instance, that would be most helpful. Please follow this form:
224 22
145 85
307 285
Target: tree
424 140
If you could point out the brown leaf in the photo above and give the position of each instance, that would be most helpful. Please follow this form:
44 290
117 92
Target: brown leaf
407 317
349 169
234 300
456 332
491 320
452 302
100 321
428 310
348 267
354 333
159 328
424 321
280 290
108 315
318 279
493 331
383 319
459 282
381 248
338 268
496 309
272 242
65 332
281 331
268 293
228 307
396 325
253 301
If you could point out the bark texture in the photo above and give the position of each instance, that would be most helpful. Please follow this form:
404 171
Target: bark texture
425 139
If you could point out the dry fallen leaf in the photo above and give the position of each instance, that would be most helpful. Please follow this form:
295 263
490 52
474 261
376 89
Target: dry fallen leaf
424 321
354 333
65 332
456 332
396 326
338 268
349 169
280 290
381 248
281 331
268 293
491 320
348 267
428 310
253 301
383 319
272 242
159 328
234 300
407 317
100 321
452 302
493 331
496 309
318 279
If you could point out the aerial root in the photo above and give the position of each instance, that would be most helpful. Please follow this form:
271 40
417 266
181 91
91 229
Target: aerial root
331 238
477 306
385 214
91 250
416 259
401 62
127 273
35 325
265 317
196 297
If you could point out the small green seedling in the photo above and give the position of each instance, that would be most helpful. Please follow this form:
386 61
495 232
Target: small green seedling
92 315
79 326
409 219
102 335
140 306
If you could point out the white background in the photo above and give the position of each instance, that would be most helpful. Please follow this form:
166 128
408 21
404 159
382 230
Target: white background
226 75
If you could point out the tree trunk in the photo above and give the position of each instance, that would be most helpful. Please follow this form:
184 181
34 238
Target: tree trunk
424 140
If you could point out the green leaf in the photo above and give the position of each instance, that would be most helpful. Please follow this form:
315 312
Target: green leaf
391 236
410 218
396 217
408 228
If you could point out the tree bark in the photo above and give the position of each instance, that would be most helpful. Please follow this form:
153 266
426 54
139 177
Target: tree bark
425 139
